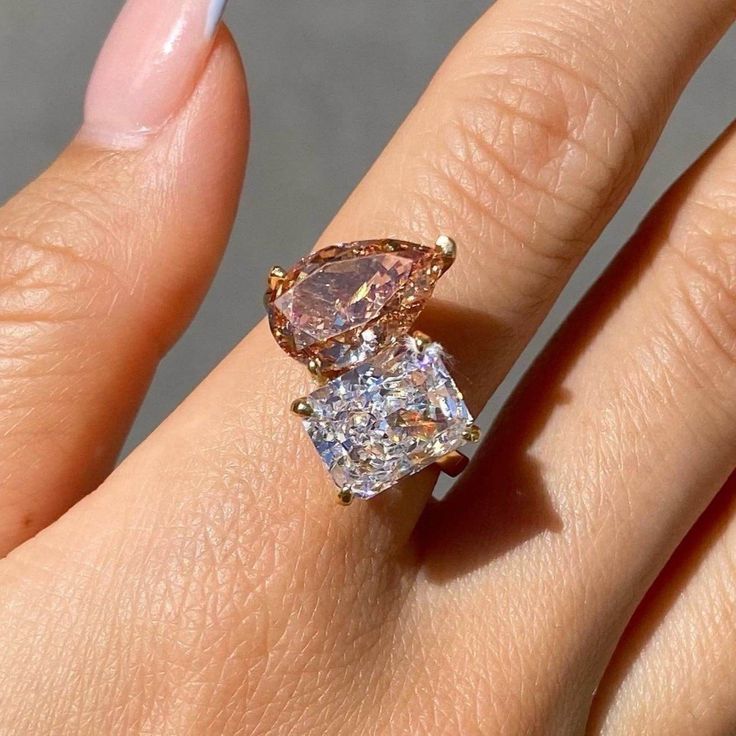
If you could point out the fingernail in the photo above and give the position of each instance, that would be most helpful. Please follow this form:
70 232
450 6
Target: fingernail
147 68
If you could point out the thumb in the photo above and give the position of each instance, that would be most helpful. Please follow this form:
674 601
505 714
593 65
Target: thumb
105 257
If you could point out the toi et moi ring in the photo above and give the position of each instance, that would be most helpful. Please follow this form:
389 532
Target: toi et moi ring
386 405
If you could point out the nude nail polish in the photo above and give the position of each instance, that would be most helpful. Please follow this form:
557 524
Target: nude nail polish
147 68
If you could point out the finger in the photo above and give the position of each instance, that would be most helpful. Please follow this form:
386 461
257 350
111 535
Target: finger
229 496
615 442
105 257
674 671
522 148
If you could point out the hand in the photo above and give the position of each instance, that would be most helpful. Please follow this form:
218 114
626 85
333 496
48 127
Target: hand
211 585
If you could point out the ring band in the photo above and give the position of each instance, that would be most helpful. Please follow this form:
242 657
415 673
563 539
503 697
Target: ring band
386 405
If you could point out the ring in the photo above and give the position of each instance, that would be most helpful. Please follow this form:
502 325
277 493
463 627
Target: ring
386 405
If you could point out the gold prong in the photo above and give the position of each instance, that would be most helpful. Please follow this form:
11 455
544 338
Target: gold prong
275 276
472 433
421 339
301 407
344 498
453 463
448 248
314 365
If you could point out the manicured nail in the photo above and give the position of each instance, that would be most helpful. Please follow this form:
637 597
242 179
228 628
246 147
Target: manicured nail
147 68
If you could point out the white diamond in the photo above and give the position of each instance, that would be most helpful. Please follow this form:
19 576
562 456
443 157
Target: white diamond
387 418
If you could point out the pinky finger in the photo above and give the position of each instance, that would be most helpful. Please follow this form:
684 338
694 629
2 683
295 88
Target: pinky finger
674 671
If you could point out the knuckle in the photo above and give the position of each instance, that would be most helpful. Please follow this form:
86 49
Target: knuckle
57 293
46 296
40 282
55 241
63 267
531 151
705 279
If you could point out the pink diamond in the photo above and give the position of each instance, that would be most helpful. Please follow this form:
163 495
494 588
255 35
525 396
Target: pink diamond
344 303
342 295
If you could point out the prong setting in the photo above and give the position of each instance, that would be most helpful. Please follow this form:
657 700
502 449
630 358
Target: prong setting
302 408
362 352
421 339
275 276
448 248
472 433
345 498
314 366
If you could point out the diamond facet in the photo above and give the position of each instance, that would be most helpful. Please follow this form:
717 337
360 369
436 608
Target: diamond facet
387 418
346 302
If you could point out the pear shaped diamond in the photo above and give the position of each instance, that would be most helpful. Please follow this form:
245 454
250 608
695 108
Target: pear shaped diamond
344 303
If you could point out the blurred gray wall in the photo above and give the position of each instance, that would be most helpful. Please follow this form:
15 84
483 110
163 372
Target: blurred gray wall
330 81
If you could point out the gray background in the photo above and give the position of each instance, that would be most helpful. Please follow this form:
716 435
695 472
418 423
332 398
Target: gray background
330 81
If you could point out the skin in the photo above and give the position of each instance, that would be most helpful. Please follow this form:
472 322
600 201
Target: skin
570 584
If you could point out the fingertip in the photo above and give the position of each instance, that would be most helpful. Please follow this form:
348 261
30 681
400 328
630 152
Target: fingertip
147 68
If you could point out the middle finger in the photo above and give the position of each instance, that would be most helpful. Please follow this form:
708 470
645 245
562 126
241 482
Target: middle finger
522 149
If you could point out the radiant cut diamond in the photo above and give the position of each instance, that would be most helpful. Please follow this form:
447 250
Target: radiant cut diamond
387 418
344 303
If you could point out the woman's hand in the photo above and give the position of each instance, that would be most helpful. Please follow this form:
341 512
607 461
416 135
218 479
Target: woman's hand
210 585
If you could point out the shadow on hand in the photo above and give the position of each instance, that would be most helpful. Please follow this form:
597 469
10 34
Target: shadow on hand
499 503
501 500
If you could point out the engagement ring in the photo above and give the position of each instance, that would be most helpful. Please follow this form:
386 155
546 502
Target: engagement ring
386 406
